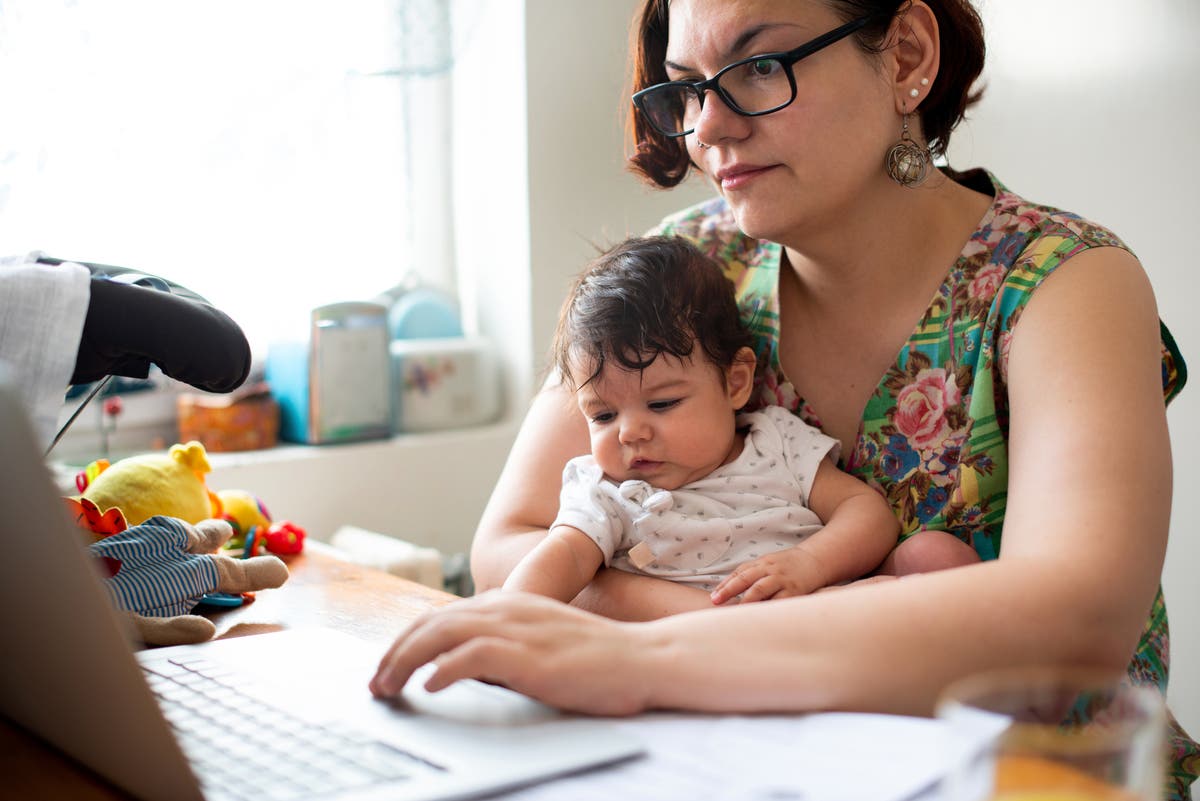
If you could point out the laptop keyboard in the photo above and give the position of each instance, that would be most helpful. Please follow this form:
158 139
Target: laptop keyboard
241 747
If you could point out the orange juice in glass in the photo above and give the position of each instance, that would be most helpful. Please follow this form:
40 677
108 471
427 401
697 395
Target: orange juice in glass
1054 735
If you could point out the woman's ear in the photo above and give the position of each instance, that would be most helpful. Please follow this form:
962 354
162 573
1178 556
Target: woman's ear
913 55
739 377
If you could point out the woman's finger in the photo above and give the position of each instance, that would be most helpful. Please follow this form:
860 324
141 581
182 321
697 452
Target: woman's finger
547 650
492 659
427 637
494 614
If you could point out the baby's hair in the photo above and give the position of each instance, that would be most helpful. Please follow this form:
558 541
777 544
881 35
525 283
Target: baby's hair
645 297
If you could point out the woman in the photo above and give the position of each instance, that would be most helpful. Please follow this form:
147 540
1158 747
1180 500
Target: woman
1026 403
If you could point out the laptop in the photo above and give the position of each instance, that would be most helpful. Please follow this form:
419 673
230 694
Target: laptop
221 720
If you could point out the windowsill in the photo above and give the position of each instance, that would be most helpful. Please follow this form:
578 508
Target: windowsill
428 488
291 452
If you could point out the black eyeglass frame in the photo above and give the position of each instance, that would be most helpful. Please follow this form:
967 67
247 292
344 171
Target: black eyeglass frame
786 59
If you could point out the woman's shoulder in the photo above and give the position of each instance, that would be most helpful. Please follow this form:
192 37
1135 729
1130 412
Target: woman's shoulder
1018 245
1025 235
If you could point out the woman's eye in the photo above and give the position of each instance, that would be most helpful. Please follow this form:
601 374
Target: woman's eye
763 68
662 406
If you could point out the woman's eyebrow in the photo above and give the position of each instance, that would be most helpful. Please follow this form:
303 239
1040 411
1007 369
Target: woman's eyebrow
739 44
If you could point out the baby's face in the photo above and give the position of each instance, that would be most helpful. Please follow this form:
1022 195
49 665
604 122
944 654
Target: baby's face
668 425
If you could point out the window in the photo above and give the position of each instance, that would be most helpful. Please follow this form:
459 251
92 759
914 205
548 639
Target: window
272 155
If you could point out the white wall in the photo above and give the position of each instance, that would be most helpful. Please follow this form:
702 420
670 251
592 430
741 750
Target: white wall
580 195
1093 106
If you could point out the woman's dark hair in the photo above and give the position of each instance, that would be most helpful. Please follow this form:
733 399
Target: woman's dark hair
643 298
664 161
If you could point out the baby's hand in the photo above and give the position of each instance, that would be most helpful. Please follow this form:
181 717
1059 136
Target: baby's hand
783 574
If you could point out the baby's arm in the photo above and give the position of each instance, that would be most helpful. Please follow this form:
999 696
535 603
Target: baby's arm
560 566
860 530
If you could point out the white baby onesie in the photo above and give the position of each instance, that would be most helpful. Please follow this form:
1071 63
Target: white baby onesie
697 534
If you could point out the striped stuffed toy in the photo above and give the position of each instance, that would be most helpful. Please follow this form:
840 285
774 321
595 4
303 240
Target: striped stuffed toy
159 570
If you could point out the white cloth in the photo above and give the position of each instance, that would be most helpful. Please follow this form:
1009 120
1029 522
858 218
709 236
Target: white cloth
42 309
697 534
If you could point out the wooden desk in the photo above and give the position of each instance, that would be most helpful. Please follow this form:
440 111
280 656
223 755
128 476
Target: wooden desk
323 591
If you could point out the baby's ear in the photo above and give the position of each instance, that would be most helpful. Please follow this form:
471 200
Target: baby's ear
739 377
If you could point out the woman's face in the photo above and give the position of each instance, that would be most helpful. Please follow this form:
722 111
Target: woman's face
798 169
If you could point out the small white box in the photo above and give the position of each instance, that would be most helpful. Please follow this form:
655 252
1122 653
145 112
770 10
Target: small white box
391 555
444 383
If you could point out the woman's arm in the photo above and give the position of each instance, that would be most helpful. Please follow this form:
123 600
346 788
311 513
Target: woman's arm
1084 541
525 502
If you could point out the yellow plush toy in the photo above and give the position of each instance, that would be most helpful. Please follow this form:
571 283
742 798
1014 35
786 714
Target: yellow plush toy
170 484
152 519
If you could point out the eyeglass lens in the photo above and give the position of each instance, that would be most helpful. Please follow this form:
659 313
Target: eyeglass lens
751 88
756 85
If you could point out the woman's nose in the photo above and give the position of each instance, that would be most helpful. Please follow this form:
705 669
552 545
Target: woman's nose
717 121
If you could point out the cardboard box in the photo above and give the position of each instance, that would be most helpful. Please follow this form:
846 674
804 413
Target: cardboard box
245 420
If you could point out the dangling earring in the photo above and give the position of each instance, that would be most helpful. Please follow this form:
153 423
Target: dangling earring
907 163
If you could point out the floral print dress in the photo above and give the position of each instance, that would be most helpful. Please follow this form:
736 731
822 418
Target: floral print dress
933 439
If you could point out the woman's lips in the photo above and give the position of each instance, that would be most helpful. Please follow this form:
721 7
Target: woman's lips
737 177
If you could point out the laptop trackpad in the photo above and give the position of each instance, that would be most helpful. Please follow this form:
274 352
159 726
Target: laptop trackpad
470 701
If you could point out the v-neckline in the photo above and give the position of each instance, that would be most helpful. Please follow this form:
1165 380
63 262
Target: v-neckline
943 290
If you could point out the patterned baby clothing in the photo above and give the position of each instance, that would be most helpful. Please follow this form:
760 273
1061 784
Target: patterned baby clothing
697 534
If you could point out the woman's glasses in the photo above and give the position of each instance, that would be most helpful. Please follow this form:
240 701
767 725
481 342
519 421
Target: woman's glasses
751 87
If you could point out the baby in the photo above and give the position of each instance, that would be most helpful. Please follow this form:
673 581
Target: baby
678 484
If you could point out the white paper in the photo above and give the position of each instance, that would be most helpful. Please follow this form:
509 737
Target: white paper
820 757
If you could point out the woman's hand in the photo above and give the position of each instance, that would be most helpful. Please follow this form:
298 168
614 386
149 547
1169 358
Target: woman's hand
547 650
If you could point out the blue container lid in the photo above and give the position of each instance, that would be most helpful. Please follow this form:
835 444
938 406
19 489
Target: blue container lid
424 314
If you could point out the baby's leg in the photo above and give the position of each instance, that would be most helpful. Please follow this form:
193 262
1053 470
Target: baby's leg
927 551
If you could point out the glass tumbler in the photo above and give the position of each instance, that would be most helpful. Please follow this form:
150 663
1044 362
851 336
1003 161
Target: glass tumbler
1053 735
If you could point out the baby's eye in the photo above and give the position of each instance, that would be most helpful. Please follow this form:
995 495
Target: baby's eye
603 417
663 405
